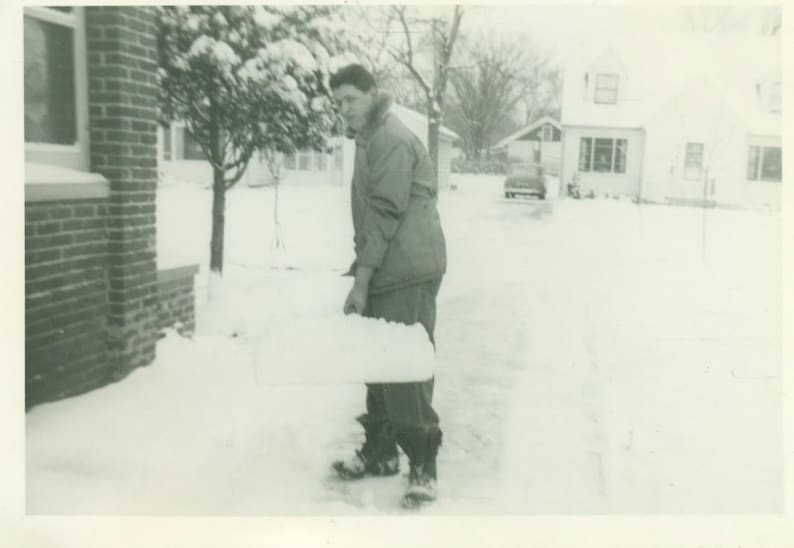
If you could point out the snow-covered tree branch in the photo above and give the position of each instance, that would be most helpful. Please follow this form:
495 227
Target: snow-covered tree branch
247 78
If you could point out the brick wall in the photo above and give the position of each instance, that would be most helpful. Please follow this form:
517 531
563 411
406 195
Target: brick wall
122 64
65 298
176 300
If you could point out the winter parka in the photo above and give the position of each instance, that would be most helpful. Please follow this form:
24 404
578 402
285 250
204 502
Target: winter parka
394 197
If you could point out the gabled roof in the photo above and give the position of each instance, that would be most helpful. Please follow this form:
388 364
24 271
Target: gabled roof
660 66
528 129
406 114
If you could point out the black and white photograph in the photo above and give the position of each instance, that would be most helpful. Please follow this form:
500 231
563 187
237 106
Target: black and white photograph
356 260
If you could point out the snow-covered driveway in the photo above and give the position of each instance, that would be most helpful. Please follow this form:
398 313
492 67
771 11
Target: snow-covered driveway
591 359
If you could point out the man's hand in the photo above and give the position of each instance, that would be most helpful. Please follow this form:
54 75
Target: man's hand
356 300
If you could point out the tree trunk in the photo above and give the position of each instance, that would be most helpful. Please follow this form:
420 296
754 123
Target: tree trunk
218 219
432 144
218 198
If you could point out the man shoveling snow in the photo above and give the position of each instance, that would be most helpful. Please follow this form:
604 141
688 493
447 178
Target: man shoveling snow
400 260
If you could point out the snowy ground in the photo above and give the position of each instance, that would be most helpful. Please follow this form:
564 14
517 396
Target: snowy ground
591 359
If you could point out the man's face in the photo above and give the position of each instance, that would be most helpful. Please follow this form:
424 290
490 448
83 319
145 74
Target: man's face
354 104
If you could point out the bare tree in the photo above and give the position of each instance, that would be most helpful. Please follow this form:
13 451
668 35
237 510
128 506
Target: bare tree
542 82
487 87
440 36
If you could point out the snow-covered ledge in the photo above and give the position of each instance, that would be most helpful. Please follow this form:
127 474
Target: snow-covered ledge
46 182
172 273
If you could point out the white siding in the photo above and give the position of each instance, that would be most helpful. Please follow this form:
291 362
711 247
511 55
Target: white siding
699 118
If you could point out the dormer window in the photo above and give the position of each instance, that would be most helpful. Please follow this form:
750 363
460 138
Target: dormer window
774 97
606 89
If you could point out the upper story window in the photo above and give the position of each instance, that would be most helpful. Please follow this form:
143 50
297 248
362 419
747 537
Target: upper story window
606 88
548 133
774 97
55 86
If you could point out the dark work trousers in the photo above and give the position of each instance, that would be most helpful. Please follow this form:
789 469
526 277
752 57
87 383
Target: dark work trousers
405 406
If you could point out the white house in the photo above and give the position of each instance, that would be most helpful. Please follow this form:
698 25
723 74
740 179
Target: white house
181 158
539 142
669 118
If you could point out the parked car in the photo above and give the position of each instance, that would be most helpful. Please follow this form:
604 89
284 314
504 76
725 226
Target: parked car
526 180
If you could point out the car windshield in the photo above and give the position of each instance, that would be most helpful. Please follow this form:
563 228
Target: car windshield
523 169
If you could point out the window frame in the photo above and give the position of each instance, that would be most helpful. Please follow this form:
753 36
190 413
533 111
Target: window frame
75 156
587 147
167 144
758 160
585 154
688 176
600 87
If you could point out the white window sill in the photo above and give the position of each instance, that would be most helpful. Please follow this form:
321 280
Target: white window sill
46 182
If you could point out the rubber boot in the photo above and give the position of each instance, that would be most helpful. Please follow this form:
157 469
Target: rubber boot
377 457
422 449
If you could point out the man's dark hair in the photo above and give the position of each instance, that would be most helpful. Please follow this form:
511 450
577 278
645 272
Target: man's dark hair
355 75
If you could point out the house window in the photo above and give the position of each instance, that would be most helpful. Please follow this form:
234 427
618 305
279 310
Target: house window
774 97
55 81
585 153
764 164
304 160
603 155
606 89
548 133
693 162
308 160
191 150
338 157
620 156
166 142
320 160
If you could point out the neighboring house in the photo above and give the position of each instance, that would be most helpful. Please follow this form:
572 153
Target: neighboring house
182 158
539 142
95 301
680 116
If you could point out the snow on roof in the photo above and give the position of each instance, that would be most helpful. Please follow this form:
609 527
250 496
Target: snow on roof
527 129
659 66
406 114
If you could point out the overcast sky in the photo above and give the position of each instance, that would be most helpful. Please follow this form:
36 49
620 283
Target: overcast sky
563 29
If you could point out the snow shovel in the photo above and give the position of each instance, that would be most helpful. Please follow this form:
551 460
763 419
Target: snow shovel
343 349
